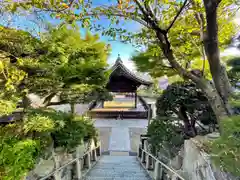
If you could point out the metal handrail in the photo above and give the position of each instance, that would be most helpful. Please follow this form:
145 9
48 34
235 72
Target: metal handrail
69 163
162 164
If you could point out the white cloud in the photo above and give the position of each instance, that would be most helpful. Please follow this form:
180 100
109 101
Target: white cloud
130 65
232 51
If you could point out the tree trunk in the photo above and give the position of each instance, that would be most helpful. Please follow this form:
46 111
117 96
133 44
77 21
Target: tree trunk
188 128
210 39
217 96
72 105
26 102
215 101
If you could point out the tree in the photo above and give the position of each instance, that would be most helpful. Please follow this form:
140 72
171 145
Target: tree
62 63
73 68
188 103
147 13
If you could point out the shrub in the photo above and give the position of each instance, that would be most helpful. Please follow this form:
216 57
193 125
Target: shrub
66 130
23 142
74 132
164 135
226 150
17 157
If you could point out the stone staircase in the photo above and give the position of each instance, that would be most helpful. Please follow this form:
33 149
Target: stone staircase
117 168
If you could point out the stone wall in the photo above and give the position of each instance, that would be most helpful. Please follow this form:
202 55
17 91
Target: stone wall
195 164
54 159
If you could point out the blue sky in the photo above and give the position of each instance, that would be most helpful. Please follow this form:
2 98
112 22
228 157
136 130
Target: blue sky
125 50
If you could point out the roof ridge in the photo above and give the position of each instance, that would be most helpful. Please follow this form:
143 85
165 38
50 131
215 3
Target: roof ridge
119 63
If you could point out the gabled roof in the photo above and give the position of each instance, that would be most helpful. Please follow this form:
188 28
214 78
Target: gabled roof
119 65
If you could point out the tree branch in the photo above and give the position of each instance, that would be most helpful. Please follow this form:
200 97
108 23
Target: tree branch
178 14
60 10
148 20
150 11
127 15
166 46
141 8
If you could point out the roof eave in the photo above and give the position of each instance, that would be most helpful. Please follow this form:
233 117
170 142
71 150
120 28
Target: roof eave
133 76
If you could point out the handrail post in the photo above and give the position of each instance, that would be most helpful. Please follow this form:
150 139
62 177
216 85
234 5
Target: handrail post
158 171
94 154
143 158
139 151
144 154
148 161
57 174
99 150
88 160
145 145
78 164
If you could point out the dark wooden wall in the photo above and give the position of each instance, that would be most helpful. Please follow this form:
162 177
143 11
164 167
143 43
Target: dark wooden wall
121 84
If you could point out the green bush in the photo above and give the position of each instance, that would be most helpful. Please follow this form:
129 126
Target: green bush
163 135
75 131
226 150
23 142
17 156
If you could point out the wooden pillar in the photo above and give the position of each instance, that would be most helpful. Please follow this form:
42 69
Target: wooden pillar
135 99
149 113
142 142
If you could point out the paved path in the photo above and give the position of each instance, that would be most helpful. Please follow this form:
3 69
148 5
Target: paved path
119 139
117 168
137 123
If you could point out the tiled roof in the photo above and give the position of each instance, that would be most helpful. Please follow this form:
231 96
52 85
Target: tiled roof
143 79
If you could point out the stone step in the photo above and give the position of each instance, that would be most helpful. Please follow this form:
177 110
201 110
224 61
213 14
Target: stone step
113 173
116 178
131 167
117 168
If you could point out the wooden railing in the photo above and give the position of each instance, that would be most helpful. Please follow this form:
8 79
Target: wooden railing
156 168
115 114
144 103
80 163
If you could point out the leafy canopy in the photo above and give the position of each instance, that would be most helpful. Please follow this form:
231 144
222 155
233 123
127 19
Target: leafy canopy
185 38
225 150
70 66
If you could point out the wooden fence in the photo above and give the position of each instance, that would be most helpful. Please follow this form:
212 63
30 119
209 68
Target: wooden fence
156 168
79 163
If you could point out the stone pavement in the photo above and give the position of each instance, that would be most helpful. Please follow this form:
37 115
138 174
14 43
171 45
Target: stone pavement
120 133
117 168
119 139
136 123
